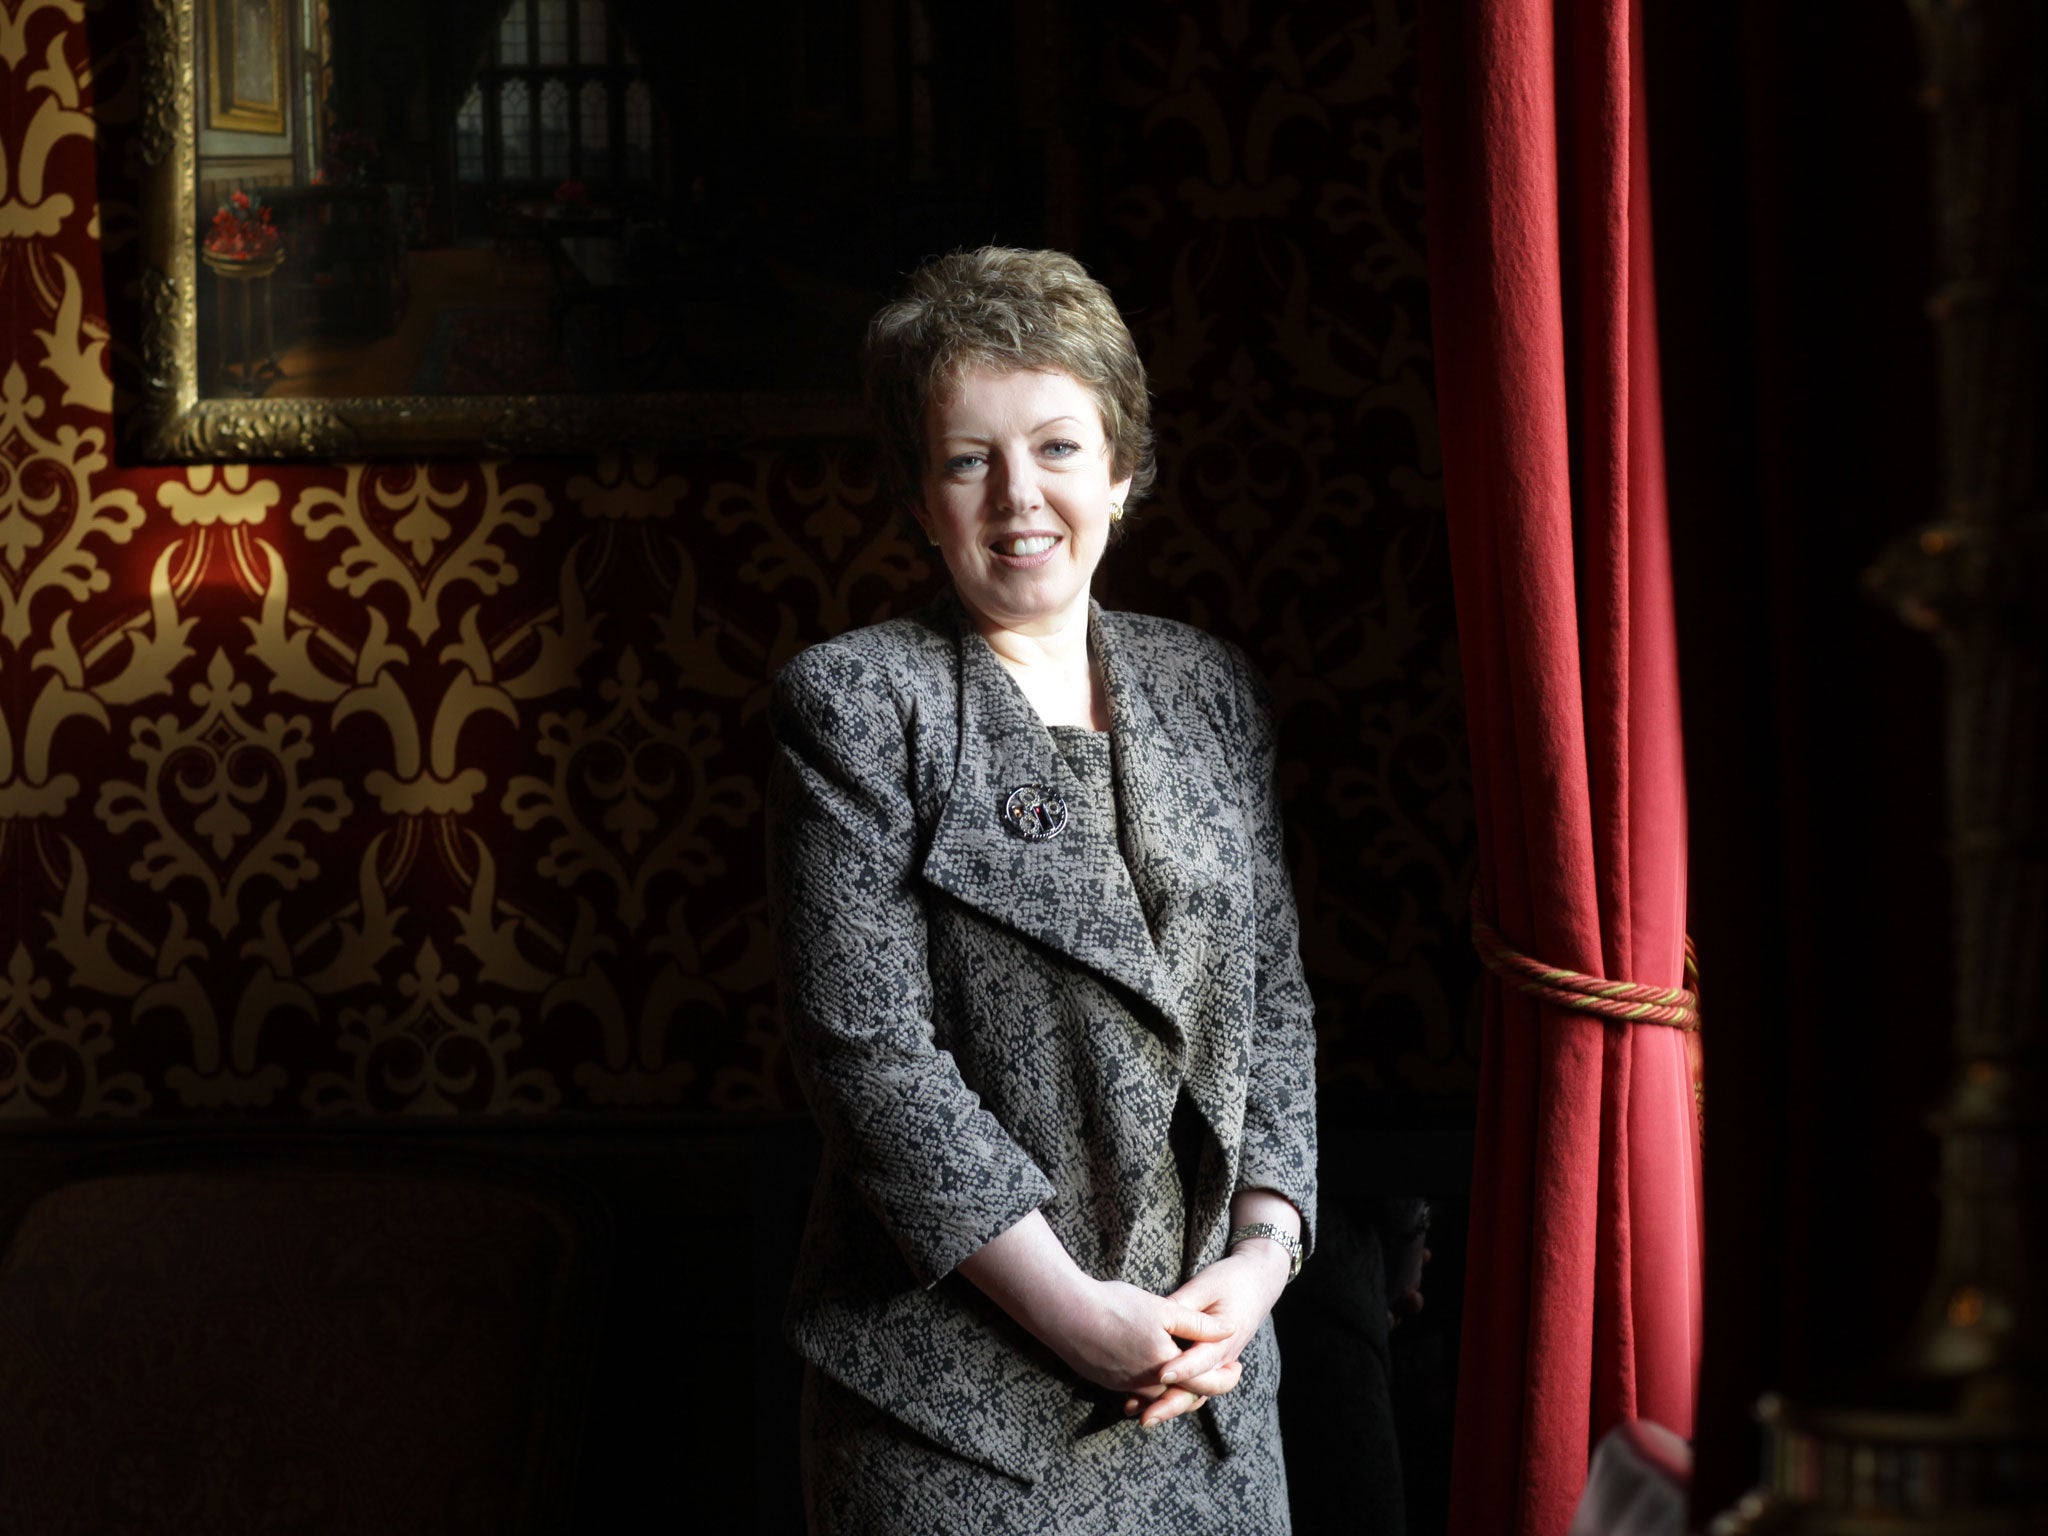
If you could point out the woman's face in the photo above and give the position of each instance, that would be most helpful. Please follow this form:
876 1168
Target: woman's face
1017 493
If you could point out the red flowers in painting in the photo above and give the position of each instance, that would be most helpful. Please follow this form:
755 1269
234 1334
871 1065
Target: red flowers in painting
241 229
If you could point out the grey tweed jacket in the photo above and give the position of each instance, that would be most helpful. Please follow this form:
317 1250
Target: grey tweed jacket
985 1025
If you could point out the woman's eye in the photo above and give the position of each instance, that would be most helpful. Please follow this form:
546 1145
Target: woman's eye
1061 448
961 464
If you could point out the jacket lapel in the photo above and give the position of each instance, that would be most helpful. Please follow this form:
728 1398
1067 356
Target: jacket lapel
1184 833
1073 892
1181 827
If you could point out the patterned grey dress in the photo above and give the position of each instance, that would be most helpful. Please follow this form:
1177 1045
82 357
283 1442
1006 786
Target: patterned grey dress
1123 1047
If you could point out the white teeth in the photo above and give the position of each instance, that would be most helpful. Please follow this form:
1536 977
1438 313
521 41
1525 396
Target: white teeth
1032 546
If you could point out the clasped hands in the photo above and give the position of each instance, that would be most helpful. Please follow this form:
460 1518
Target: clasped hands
1168 1354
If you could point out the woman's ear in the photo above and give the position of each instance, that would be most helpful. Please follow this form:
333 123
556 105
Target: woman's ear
923 519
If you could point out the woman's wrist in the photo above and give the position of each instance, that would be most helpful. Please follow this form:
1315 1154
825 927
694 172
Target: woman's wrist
1271 1254
1263 1223
1027 1271
1270 1265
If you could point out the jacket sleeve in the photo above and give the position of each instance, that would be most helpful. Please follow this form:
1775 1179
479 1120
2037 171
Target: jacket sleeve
936 1168
1280 1100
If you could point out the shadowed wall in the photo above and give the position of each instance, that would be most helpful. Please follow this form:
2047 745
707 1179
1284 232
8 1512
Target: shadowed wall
420 787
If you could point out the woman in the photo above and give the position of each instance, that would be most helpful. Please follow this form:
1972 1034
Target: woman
1037 948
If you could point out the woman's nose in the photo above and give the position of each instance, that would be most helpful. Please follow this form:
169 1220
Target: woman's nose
1020 491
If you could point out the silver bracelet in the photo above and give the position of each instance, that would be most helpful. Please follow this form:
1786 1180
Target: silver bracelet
1280 1235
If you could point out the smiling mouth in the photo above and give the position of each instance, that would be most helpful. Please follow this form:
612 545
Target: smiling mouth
1029 544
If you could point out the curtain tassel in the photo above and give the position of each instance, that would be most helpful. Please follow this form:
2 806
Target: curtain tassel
1619 1002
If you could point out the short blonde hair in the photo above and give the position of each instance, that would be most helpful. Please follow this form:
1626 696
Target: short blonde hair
1007 310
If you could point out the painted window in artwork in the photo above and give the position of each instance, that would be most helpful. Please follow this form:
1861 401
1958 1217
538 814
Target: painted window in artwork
515 130
556 141
554 32
469 137
512 35
560 97
595 119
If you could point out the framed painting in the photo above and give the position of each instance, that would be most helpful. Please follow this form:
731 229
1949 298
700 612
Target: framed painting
562 225
245 75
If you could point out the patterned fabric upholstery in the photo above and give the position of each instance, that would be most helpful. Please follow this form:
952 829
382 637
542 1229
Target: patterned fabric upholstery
297 1345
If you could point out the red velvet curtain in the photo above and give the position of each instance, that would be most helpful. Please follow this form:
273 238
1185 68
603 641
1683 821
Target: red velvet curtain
1582 1302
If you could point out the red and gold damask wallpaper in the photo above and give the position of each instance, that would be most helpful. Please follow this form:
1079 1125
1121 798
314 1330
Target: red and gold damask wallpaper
436 787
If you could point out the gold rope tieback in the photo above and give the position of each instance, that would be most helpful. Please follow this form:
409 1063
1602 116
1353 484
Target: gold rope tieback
1621 1001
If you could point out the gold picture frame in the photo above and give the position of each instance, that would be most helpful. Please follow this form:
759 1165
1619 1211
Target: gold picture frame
220 373
246 65
176 420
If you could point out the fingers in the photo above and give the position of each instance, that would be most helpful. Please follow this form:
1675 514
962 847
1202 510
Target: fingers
1213 1383
1170 1404
1193 1361
1197 1327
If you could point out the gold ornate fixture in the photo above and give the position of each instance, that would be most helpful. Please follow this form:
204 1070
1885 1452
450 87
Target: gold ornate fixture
1959 1443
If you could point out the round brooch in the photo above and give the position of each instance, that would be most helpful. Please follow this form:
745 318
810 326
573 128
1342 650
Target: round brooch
1035 813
